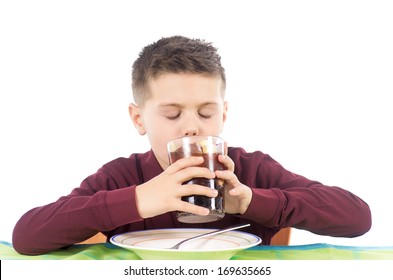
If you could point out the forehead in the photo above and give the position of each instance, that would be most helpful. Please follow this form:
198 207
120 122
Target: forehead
186 87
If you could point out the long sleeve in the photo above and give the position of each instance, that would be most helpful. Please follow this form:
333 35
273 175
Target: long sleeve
101 203
106 202
284 199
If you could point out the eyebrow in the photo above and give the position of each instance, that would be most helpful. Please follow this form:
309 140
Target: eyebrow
180 106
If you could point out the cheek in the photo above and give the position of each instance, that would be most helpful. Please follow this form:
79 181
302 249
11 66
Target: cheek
159 138
215 126
159 148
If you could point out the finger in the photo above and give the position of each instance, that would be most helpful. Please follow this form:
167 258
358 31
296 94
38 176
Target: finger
235 191
227 162
194 172
227 176
184 163
194 209
241 192
191 189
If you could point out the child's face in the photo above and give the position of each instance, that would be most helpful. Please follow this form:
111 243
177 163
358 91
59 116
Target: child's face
180 105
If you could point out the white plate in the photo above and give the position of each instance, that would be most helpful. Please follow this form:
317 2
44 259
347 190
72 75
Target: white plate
153 244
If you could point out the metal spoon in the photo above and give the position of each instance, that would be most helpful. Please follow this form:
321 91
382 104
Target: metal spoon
209 234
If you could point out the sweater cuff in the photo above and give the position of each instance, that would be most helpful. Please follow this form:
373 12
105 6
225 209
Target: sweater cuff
264 207
121 207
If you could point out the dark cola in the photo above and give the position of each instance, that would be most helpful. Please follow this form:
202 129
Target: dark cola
216 204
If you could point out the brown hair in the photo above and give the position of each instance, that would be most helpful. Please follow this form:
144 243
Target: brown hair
175 54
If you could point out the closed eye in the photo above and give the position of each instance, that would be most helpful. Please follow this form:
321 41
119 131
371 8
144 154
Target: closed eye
204 116
207 111
173 117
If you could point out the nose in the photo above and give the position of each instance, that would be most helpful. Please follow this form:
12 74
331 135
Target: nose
190 124
191 132
190 128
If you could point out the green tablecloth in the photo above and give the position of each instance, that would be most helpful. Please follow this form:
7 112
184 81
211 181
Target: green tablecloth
108 251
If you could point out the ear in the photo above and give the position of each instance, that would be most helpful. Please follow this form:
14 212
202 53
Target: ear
224 112
136 118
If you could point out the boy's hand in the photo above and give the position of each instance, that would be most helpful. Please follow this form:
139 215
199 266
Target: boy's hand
237 195
163 193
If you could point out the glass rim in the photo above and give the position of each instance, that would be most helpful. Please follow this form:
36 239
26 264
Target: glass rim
196 136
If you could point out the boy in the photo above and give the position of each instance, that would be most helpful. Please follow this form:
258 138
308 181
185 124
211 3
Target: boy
179 89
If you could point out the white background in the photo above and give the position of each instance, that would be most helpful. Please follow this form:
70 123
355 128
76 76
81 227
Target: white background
308 83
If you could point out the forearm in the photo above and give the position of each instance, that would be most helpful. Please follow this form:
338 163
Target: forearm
320 209
73 219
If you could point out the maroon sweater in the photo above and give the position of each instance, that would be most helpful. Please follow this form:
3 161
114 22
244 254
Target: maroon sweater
105 202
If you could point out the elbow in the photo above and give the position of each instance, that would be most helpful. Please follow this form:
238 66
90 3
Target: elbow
363 222
351 224
24 242
356 224
21 243
357 221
